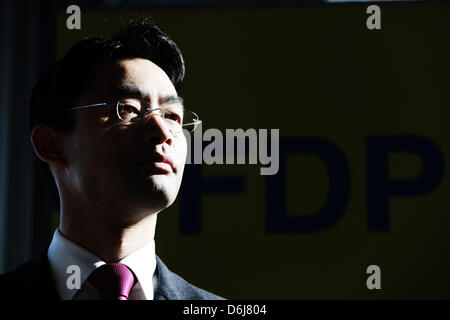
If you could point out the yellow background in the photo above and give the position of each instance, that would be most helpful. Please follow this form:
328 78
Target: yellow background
310 71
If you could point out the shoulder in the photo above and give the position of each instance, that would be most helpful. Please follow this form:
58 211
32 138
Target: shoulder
15 284
30 280
172 287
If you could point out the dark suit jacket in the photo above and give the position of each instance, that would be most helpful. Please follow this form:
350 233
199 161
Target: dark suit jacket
33 280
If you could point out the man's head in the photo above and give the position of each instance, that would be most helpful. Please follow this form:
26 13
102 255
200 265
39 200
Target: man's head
94 156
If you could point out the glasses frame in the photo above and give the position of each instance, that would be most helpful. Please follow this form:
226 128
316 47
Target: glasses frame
149 111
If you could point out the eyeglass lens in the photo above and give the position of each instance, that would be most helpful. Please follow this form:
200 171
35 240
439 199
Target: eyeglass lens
177 119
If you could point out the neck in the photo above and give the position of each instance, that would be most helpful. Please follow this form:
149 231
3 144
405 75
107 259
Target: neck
108 239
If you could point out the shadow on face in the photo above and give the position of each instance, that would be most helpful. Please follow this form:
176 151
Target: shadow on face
133 169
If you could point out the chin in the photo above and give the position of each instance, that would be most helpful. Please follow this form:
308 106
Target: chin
150 191
160 191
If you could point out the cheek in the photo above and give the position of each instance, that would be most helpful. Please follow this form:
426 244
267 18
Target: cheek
91 136
181 153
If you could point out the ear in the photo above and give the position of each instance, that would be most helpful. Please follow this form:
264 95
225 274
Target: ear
47 144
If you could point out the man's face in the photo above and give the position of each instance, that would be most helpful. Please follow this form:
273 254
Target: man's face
126 166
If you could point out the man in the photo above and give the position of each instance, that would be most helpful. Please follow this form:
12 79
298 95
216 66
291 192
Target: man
109 123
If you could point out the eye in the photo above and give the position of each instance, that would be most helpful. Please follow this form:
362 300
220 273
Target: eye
170 115
128 110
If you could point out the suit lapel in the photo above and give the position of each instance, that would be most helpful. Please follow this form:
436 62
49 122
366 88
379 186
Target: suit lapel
168 288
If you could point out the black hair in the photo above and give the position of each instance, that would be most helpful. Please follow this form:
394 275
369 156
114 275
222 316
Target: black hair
69 78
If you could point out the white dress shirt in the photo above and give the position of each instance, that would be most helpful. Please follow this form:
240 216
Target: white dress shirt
63 253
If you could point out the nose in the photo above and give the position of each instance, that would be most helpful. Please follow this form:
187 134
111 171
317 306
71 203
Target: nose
157 130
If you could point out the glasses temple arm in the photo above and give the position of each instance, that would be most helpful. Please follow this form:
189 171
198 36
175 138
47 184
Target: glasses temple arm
88 106
195 122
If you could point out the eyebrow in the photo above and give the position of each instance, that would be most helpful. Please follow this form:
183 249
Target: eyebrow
131 91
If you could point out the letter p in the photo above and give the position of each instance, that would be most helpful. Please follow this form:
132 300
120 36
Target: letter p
381 189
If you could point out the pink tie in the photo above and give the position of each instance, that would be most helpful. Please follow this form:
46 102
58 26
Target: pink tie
113 280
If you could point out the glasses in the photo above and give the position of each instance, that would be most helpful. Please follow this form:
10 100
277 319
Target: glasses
133 111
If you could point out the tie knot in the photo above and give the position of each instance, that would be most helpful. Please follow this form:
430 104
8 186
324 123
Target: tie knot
113 280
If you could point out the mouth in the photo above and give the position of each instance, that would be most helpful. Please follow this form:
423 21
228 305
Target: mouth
157 163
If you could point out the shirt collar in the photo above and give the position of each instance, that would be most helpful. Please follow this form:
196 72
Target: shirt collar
143 264
63 253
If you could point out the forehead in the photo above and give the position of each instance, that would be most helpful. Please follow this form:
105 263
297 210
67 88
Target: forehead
145 75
